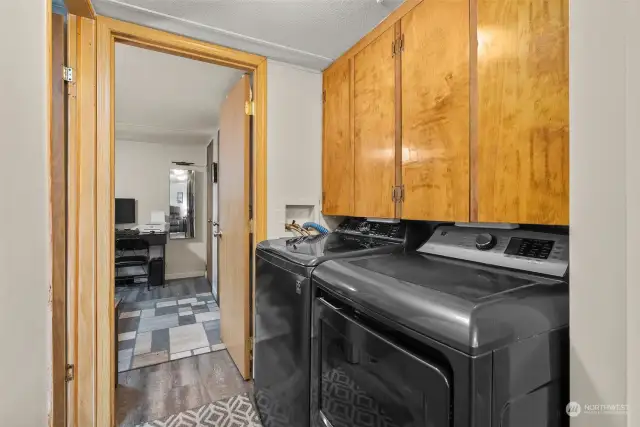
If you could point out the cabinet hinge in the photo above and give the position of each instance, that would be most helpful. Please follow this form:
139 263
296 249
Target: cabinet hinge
397 194
70 374
397 46
249 108
67 74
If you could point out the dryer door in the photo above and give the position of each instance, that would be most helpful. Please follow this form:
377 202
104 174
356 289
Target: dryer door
360 378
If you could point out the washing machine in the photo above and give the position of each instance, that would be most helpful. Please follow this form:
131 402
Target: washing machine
284 295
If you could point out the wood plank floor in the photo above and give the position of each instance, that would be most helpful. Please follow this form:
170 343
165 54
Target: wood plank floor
155 392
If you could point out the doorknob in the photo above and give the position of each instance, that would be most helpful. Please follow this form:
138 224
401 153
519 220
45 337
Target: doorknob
209 221
217 234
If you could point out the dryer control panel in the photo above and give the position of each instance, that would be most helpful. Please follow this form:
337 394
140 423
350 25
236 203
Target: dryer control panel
531 251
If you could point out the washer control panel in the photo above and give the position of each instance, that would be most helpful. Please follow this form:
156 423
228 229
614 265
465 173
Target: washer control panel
363 227
532 251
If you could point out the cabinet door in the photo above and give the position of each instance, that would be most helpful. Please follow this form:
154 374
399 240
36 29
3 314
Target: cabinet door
435 111
337 153
374 121
523 128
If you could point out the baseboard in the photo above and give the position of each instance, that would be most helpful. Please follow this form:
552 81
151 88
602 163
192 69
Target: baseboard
184 275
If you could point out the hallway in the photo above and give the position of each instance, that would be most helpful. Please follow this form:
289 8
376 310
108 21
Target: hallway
173 368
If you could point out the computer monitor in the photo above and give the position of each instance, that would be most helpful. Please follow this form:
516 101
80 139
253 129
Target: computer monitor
125 211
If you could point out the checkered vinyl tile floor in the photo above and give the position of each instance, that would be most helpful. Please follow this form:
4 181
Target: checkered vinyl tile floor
152 331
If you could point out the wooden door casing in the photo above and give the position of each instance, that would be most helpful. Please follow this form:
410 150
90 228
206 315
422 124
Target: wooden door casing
374 133
91 199
58 216
234 199
523 121
337 148
435 111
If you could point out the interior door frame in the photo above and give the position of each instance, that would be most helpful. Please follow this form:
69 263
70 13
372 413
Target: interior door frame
93 222
216 215
56 152
209 198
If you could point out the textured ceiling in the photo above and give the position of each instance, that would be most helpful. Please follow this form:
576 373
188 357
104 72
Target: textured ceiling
310 33
168 99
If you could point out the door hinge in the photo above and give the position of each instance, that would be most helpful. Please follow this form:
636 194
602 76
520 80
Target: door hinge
250 108
397 194
67 74
324 96
250 348
70 374
251 226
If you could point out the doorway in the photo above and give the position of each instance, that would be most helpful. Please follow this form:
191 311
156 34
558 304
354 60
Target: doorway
98 42
213 220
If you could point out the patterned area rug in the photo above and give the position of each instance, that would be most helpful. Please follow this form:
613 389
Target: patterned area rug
158 330
236 411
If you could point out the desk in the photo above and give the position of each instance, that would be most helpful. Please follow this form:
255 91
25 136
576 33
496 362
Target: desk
152 239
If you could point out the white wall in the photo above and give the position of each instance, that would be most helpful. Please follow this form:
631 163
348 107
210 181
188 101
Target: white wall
294 142
142 173
24 240
605 110
633 211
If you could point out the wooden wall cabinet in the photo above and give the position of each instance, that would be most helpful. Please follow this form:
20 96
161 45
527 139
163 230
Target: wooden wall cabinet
337 145
522 171
375 128
462 104
435 111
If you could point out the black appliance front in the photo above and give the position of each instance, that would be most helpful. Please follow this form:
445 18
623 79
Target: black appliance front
491 325
281 377
362 378
284 295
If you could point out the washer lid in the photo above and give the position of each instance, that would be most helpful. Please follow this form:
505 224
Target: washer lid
470 307
310 251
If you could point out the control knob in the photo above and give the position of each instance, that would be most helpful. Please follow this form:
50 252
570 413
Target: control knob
485 241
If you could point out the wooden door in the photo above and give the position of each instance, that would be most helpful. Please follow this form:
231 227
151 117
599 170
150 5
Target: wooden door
374 133
337 144
435 111
234 199
210 213
523 121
